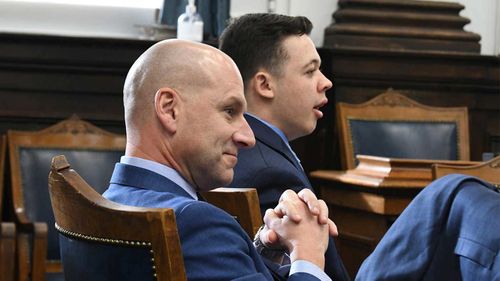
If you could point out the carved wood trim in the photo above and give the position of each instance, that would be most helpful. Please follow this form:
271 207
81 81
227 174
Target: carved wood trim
75 126
391 98
495 164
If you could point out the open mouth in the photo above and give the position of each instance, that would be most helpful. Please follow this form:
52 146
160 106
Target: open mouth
321 104
317 108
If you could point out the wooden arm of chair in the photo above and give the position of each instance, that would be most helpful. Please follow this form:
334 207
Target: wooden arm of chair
242 203
488 171
7 250
32 261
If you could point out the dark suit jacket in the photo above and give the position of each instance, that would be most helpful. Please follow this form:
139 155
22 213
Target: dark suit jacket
214 246
450 231
271 168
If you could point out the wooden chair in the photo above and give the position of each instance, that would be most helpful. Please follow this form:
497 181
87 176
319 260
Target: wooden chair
488 171
30 153
106 241
7 229
393 125
241 203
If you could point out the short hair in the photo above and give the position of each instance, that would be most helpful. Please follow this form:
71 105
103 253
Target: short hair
253 41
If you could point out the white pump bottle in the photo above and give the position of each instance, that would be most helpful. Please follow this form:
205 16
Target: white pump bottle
190 24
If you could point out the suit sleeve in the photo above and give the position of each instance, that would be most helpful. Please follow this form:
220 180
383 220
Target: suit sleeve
215 247
425 239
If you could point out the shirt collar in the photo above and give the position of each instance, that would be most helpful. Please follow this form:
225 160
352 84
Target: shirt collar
161 169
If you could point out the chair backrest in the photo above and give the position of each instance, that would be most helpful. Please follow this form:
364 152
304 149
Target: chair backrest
7 229
103 240
488 171
393 125
241 203
95 153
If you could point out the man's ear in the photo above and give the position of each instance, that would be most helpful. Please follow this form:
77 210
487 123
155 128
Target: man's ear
166 107
262 84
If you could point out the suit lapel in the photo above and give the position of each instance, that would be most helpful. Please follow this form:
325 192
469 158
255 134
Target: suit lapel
267 136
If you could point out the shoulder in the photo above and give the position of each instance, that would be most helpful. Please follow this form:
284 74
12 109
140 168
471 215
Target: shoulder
446 187
140 197
205 212
261 166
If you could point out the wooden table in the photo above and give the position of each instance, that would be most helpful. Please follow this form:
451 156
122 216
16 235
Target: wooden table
365 201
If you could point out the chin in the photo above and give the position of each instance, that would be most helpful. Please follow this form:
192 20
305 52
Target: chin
308 130
312 127
226 179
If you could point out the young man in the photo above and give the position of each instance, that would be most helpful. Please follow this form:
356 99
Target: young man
454 219
184 107
285 90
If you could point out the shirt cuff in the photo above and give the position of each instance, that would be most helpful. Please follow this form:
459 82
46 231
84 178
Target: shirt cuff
308 267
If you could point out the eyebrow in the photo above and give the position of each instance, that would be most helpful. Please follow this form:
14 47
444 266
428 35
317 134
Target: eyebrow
315 62
233 100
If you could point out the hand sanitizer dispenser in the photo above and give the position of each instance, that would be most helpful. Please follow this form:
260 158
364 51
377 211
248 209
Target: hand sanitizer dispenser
190 24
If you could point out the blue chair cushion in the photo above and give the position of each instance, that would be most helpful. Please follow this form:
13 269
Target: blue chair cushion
96 166
408 139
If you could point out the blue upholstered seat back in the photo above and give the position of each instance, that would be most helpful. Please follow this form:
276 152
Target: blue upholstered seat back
96 166
405 139
128 263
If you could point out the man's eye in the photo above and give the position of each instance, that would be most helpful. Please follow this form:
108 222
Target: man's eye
311 71
229 111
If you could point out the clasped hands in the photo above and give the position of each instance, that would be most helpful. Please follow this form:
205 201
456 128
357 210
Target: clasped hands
300 225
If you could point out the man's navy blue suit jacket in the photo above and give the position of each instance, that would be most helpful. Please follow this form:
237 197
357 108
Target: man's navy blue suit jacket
271 168
214 245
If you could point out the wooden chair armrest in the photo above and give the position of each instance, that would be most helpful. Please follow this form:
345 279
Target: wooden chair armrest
32 261
39 254
7 250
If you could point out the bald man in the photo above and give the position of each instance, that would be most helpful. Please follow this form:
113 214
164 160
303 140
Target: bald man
184 107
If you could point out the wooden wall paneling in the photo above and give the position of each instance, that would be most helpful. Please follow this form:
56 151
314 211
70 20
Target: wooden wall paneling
44 79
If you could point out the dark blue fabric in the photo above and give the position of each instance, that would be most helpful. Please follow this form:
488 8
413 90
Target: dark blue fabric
95 166
408 139
450 231
54 276
214 245
271 168
86 260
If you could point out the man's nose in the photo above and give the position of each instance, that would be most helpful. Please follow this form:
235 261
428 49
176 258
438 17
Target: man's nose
244 137
325 84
